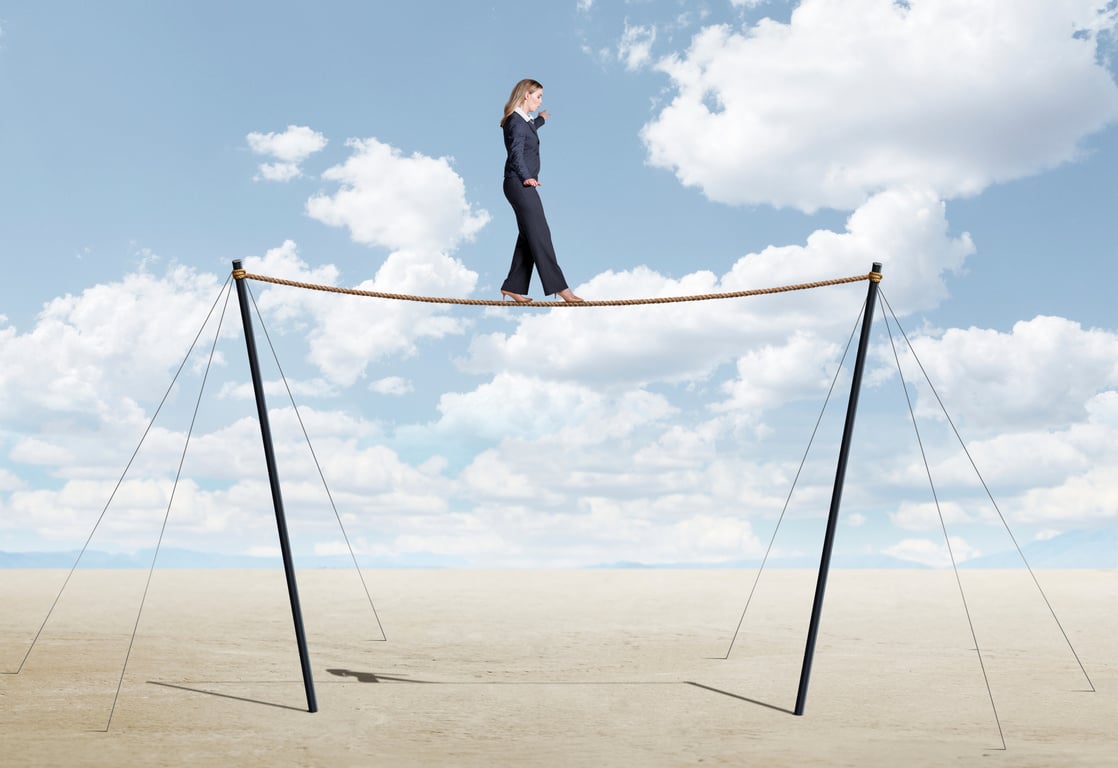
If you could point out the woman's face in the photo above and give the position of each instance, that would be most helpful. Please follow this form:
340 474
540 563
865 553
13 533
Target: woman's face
532 100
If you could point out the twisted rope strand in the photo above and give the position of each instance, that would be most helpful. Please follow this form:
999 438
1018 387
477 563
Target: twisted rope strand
240 274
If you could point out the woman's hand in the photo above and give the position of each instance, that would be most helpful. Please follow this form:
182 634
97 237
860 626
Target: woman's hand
531 183
544 114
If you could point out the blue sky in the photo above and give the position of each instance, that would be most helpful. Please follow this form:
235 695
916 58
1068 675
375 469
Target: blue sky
969 146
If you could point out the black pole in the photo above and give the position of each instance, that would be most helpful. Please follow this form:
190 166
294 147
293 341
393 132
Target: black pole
836 495
273 479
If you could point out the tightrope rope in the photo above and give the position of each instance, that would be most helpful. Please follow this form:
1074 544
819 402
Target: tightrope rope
243 275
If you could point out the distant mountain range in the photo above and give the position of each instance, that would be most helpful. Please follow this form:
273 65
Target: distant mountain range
875 562
1074 549
186 558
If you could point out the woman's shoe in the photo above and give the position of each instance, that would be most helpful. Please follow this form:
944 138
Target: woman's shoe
566 295
516 297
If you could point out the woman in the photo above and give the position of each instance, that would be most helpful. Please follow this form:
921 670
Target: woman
522 170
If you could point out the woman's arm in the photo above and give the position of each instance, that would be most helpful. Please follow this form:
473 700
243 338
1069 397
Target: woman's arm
518 134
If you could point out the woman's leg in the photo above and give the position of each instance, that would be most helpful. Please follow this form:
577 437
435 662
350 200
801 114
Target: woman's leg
533 245
520 272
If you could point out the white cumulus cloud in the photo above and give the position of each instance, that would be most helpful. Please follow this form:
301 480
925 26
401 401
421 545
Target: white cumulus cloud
852 97
399 202
933 552
88 354
386 327
635 48
391 385
289 148
1044 372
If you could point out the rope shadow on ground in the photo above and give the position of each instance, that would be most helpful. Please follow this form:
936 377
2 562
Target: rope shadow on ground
227 696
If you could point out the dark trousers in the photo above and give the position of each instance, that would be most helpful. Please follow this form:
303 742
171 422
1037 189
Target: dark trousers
533 244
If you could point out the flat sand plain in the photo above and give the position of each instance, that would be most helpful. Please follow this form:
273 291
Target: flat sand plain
559 668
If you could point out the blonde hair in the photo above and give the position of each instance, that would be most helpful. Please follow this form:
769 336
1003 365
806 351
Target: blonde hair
519 91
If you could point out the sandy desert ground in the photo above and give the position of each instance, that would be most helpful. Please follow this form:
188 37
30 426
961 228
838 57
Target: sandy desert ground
559 668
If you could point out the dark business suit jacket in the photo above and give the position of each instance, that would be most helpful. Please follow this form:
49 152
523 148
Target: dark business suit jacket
523 147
